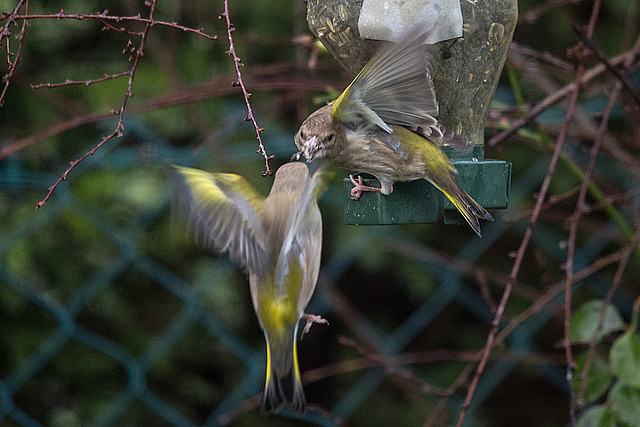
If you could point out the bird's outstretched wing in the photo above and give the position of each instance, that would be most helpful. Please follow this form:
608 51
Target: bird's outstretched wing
223 210
394 87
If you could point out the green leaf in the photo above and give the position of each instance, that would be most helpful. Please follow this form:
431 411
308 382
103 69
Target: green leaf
625 359
584 321
597 416
598 379
624 401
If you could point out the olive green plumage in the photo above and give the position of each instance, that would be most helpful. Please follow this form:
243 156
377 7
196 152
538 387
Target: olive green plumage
383 124
278 240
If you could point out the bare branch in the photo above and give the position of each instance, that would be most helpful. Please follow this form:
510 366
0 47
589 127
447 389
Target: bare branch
135 54
237 62
81 82
558 96
624 80
266 78
102 17
579 210
6 33
525 243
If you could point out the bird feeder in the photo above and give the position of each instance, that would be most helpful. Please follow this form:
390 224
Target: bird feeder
470 39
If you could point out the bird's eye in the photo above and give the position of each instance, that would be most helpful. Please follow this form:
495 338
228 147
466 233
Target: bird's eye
330 137
301 135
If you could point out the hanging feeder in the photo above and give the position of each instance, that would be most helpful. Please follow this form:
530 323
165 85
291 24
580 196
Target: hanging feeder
471 39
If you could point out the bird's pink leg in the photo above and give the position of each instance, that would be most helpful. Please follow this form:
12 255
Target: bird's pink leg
311 319
356 191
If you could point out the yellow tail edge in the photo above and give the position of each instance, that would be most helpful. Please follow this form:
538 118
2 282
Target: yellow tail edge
285 390
468 208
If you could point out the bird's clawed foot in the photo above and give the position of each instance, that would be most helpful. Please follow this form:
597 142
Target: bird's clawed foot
311 319
356 191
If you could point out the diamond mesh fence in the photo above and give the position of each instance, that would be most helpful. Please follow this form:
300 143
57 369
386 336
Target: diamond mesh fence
111 315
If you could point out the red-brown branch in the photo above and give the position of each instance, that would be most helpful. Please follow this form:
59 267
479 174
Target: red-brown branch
135 55
237 62
558 96
580 209
81 82
264 78
525 243
101 17
6 34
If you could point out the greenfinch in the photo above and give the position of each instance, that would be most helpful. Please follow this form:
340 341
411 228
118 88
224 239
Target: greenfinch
278 240
384 124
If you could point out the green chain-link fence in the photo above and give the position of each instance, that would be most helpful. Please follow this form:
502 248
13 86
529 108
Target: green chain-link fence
101 325
110 315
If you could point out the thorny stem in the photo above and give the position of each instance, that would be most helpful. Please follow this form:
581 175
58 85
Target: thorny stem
525 242
573 229
5 33
81 82
271 78
623 262
135 55
104 17
237 62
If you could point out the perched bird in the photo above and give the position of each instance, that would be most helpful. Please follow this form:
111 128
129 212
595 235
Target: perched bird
278 241
383 124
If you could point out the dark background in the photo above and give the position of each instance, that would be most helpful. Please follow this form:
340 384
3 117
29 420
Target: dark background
109 315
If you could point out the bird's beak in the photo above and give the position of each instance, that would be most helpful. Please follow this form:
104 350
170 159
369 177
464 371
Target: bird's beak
296 156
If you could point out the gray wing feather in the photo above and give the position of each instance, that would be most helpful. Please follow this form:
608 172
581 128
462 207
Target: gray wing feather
397 84
222 210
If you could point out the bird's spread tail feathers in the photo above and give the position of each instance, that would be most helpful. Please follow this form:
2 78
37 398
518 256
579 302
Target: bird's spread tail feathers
468 208
283 386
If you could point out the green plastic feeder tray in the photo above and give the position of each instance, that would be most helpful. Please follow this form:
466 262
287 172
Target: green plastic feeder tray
487 181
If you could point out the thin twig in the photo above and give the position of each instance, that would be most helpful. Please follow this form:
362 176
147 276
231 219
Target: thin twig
520 253
543 56
635 312
551 202
624 80
571 243
7 33
613 199
429 255
512 280
264 78
557 96
545 300
554 290
573 228
237 62
580 209
135 55
81 82
435 417
104 17
392 365
615 284
122 30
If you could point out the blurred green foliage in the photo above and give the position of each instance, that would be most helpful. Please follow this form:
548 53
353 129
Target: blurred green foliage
111 315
